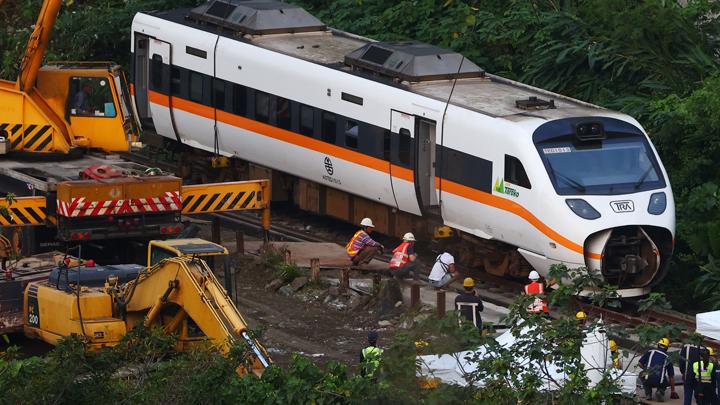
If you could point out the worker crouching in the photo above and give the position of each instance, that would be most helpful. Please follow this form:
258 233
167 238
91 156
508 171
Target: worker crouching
404 260
362 248
658 371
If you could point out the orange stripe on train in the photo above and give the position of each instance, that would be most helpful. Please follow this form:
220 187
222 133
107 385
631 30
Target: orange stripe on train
368 161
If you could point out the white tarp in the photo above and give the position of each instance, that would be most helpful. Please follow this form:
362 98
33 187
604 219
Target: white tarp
452 368
708 324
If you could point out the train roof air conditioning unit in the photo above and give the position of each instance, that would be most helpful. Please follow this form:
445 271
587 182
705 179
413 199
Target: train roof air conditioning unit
412 61
257 17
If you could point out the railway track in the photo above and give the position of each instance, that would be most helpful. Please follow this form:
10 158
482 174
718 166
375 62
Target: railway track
505 290
498 290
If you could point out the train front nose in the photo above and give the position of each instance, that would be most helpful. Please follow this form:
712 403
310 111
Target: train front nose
631 257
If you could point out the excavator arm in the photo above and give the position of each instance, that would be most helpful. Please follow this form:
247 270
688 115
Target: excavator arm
189 283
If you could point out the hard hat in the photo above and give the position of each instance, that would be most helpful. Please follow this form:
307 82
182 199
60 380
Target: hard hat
710 351
581 315
665 342
468 282
90 263
534 275
409 237
367 222
613 346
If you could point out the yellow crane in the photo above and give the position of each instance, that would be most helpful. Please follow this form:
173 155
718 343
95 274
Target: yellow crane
64 106
178 292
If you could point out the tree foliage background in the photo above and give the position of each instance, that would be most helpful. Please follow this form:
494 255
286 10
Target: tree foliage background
654 59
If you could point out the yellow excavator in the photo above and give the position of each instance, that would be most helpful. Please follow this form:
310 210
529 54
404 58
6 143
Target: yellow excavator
64 106
177 291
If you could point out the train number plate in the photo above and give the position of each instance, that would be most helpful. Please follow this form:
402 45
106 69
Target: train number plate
623 206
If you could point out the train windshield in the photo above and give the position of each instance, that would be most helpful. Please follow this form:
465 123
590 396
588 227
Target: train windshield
619 164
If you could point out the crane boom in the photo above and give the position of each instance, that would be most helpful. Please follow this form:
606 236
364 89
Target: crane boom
37 44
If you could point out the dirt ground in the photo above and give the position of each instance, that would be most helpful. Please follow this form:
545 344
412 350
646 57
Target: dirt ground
301 323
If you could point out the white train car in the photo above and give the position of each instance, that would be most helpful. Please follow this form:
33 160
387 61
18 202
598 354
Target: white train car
412 129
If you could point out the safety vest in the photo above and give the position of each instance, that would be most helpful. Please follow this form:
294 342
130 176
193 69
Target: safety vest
539 305
353 247
371 356
703 375
400 256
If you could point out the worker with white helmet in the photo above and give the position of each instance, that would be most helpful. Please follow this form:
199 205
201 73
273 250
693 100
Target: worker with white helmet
536 287
362 248
404 259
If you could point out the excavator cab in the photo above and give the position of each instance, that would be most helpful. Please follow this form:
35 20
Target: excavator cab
193 247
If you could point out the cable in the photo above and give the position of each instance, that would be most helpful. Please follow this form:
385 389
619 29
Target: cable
442 130
77 289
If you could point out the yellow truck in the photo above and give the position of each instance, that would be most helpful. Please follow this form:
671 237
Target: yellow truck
59 127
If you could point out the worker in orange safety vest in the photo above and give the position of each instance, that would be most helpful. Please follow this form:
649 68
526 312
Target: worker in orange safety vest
536 287
404 260
362 248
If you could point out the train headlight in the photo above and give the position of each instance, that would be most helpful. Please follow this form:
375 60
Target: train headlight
658 203
582 208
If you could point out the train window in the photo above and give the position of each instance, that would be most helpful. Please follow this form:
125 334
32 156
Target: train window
386 144
329 130
405 148
239 99
351 134
196 87
219 94
351 98
156 66
175 81
196 52
282 113
307 120
515 172
262 106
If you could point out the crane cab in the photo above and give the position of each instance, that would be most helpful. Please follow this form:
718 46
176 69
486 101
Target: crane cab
94 101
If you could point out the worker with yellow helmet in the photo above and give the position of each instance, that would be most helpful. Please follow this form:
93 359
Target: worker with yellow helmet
705 377
658 371
468 304
689 354
581 317
615 355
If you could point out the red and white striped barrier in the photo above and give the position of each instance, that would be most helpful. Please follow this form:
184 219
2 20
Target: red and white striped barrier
81 207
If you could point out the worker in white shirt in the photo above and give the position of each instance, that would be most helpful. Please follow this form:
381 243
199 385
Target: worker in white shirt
443 271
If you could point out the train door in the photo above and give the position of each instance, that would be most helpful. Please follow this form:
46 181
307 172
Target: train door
425 152
160 102
140 76
402 159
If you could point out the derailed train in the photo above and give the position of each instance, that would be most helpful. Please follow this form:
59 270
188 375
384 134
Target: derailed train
414 130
